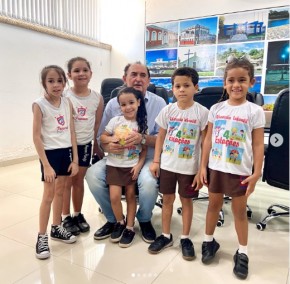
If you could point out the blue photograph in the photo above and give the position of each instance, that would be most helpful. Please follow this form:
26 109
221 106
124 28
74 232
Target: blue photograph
198 31
278 23
161 63
250 26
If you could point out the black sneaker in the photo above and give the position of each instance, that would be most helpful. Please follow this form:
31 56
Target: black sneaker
241 265
148 232
81 223
160 244
42 249
127 238
116 235
70 225
59 233
209 250
187 249
104 232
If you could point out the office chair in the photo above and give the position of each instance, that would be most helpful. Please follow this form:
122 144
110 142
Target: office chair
276 165
107 86
208 97
158 90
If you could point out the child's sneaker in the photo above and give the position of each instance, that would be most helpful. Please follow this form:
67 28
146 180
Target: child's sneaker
127 238
117 232
187 249
42 249
81 223
209 250
160 244
59 233
69 224
241 265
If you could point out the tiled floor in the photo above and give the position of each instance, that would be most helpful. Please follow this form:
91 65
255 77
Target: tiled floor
90 261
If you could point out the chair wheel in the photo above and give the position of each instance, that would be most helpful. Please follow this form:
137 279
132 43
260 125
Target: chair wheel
249 214
220 223
179 210
260 226
271 211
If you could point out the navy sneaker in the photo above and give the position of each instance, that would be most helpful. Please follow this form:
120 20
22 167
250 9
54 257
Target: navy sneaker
117 232
127 238
104 232
187 249
241 265
160 244
148 232
209 250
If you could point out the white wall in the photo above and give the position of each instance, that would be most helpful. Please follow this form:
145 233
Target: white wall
166 10
23 53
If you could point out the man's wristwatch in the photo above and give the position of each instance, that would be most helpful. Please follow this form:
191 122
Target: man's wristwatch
143 140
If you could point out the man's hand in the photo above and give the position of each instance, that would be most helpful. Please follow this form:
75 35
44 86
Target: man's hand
133 139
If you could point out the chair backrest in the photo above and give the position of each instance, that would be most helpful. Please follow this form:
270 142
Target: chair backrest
108 85
276 166
158 90
209 96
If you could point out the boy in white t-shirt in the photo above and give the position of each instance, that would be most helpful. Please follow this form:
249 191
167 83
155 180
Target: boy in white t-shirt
176 158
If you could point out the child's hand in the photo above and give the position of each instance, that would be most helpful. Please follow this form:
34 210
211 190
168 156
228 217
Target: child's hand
135 171
74 168
49 174
114 139
197 184
203 176
155 169
251 181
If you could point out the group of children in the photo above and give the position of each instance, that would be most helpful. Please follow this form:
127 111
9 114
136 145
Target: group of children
189 138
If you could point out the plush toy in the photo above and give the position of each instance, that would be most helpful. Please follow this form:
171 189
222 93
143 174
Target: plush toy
122 132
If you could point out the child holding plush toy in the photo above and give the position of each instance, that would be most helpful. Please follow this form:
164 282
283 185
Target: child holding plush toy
123 169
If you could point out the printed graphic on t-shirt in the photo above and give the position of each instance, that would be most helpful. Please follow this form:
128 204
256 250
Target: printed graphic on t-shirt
133 153
230 136
81 113
61 121
183 134
185 151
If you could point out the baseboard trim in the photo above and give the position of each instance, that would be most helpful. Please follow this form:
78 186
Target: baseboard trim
18 161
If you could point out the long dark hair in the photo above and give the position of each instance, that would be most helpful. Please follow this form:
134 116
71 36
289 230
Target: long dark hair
141 116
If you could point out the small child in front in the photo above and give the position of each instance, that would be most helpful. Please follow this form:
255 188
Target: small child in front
176 158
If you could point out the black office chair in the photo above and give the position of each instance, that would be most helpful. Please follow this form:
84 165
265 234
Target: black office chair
158 90
276 166
107 86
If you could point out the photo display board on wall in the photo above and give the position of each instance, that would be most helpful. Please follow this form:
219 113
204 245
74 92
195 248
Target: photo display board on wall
207 43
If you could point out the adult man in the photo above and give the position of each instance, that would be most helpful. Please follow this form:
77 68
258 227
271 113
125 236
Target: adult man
137 76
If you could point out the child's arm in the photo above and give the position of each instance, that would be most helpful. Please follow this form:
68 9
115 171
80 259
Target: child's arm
49 173
74 165
137 168
197 184
155 165
99 113
205 154
107 138
258 157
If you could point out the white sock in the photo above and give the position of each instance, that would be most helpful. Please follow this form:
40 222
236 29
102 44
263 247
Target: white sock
76 214
184 236
208 238
64 216
243 249
130 228
166 235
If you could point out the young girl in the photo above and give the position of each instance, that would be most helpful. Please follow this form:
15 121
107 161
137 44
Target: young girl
123 169
176 157
87 112
238 165
55 143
